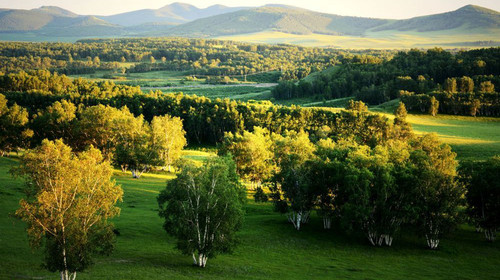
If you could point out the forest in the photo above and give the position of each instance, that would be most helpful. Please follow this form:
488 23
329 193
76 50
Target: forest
463 83
351 173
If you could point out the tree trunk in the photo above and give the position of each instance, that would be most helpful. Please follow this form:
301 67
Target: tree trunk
490 234
388 240
202 260
327 222
432 242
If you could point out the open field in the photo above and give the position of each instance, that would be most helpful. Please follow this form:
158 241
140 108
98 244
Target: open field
269 249
372 40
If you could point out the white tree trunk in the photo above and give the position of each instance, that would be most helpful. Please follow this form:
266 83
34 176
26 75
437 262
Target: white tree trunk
490 234
432 236
432 242
66 275
327 222
202 260
388 240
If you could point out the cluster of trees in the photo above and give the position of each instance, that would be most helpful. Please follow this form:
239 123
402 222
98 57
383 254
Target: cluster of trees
129 141
483 194
199 56
358 170
70 197
204 120
375 188
418 72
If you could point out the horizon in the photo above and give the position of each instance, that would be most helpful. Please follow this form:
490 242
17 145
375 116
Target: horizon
373 9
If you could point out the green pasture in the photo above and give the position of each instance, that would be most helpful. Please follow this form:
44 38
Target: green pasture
270 248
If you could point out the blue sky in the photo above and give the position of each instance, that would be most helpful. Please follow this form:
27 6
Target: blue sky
397 9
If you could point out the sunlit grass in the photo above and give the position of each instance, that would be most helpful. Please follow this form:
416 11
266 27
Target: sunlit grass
269 247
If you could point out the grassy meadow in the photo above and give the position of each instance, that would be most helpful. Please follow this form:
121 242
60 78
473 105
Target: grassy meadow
270 248
371 40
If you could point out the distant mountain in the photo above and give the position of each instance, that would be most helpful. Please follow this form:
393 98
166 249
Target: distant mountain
54 20
468 17
465 25
173 13
281 18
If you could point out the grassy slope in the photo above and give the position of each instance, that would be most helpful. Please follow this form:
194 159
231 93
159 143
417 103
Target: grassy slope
470 137
372 40
270 248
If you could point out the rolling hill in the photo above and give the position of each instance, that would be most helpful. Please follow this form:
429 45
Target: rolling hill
277 18
300 21
175 13
468 17
468 26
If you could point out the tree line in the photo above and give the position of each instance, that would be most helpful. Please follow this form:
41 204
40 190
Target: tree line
418 75
375 190
198 56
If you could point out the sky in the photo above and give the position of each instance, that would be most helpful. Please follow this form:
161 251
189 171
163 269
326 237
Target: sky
395 9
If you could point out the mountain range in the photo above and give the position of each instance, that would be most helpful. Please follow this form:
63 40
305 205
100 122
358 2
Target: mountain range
180 19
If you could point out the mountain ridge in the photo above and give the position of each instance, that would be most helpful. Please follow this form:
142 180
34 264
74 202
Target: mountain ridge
181 19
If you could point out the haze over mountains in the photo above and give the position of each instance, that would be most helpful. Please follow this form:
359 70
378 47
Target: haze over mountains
179 19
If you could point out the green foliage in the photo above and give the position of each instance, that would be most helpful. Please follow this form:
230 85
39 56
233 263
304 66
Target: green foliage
483 194
260 195
69 199
203 208
169 136
252 153
13 131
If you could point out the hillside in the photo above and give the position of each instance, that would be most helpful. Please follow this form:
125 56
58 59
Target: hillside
469 26
277 18
173 13
468 17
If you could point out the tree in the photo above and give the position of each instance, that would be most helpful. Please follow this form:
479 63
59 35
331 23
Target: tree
169 136
450 85
358 106
135 148
466 84
292 192
252 152
437 193
402 129
474 107
434 106
371 200
203 208
487 87
97 126
70 198
483 194
14 133
55 122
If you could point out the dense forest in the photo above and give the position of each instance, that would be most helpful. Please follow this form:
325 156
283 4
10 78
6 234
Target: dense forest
200 56
462 83
361 172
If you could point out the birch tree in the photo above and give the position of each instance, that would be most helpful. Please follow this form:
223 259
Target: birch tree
70 198
483 194
169 136
14 133
437 194
135 149
203 208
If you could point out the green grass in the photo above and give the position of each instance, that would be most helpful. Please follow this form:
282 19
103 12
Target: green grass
237 92
269 247
470 137
372 40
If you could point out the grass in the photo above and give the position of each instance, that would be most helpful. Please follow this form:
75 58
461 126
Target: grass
236 92
470 137
269 247
372 40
